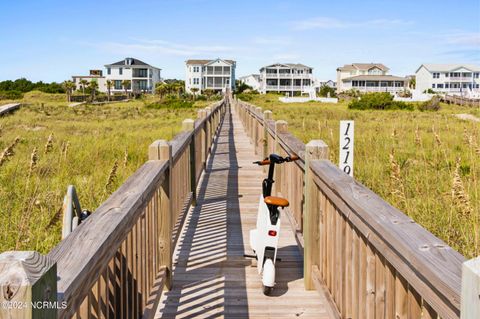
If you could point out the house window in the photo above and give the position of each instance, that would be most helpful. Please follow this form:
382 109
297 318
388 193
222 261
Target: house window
446 85
117 85
143 85
446 75
120 71
477 85
433 86
196 69
196 81
476 75
439 86
436 75
109 71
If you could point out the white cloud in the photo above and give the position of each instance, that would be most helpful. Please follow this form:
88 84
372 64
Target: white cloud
472 39
164 47
285 56
332 23
272 40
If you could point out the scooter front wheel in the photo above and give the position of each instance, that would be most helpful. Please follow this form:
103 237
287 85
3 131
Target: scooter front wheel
268 276
267 291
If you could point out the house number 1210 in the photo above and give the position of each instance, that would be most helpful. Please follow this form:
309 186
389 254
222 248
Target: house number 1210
346 147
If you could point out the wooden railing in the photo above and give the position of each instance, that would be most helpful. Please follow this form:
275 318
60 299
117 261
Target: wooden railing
117 262
370 259
460 100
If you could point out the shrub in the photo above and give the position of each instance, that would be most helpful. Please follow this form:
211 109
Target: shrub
429 91
10 95
378 101
245 97
171 103
325 89
432 105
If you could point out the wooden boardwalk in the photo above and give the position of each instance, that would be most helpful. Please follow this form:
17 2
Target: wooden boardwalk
7 108
212 278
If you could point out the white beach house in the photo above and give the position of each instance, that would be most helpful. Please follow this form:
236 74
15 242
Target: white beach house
448 78
217 75
252 80
368 77
141 75
291 78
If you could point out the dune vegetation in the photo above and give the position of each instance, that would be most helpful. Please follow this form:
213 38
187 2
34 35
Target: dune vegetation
427 164
47 145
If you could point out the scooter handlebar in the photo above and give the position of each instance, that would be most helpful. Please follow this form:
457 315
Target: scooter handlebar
264 162
292 158
286 159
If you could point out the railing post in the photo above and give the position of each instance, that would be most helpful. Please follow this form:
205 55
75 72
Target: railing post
281 127
209 128
189 125
162 150
314 150
201 115
470 298
27 279
267 115
258 111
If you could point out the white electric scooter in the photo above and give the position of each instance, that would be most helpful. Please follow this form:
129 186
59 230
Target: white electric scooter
264 239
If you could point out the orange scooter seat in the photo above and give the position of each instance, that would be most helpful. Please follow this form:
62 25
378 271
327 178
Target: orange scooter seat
276 201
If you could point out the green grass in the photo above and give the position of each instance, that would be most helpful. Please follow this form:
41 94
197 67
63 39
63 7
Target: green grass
419 180
97 137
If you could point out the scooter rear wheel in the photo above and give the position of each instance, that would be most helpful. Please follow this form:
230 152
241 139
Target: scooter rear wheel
267 291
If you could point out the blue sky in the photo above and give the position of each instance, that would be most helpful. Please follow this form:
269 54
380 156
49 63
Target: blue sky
52 40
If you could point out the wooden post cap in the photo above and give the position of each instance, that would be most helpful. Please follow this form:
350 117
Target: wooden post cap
316 149
267 115
258 110
159 150
281 126
27 278
188 125
202 114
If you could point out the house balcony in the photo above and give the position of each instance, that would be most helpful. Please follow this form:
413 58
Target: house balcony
389 89
460 78
286 76
286 87
222 73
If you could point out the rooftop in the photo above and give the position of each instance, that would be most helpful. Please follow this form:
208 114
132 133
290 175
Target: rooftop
130 62
204 61
449 67
288 65
362 67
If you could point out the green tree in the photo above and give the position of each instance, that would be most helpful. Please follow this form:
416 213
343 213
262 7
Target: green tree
109 84
194 91
93 86
126 85
161 89
69 86
83 84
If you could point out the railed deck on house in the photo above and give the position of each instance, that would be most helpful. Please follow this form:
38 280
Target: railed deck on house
170 242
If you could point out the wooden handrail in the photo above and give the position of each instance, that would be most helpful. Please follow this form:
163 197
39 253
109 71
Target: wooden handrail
82 255
427 263
368 255
116 263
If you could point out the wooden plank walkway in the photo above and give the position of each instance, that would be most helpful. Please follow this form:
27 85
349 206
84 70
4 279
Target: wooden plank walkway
211 277
7 108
